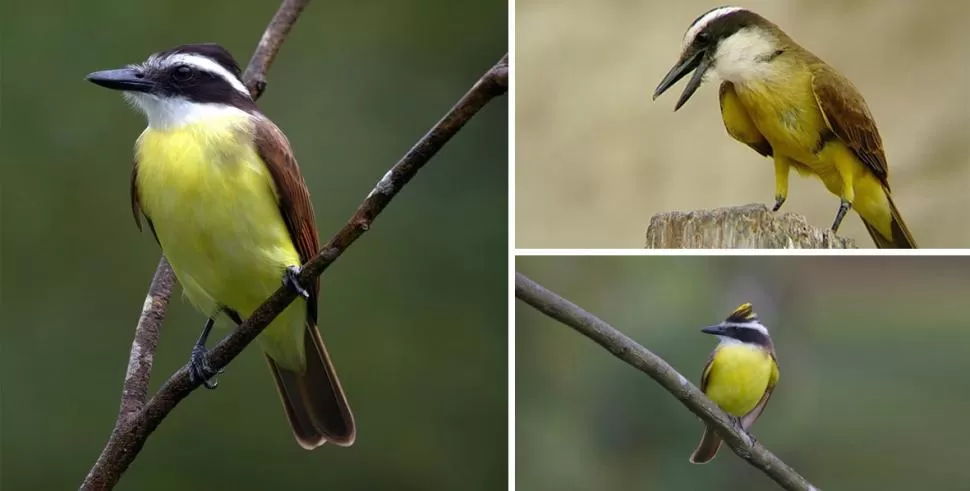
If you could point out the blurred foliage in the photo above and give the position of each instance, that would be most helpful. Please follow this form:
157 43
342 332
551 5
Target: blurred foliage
595 158
416 324
873 357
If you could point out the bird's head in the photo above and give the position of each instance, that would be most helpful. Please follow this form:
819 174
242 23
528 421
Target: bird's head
181 85
735 43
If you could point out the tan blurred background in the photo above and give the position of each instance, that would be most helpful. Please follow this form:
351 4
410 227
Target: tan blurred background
595 158
872 353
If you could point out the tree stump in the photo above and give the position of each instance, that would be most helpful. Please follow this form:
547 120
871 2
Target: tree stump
741 227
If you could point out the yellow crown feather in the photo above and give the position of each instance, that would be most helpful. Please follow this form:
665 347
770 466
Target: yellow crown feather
744 313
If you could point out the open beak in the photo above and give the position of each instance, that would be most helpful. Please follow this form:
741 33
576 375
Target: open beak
127 79
697 62
717 330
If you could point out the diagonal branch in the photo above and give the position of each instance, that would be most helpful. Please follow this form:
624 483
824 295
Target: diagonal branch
642 359
132 431
135 389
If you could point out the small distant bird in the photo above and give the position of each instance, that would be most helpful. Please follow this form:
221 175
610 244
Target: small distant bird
784 102
739 376
221 191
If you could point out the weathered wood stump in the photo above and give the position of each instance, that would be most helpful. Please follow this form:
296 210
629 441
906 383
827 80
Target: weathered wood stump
741 227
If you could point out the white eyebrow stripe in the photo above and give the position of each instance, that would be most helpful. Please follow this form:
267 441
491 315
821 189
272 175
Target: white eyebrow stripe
757 326
705 20
208 65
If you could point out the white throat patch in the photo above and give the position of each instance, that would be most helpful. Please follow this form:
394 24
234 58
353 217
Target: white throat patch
173 112
741 56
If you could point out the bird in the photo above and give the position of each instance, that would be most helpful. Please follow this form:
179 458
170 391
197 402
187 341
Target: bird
739 376
787 104
220 189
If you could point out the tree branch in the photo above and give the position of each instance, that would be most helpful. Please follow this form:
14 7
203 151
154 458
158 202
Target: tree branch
137 419
270 43
642 359
135 389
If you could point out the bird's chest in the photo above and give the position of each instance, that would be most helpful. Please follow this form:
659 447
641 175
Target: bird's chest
738 378
211 202
787 114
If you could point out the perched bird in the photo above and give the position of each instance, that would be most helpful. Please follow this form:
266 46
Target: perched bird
785 103
221 191
739 376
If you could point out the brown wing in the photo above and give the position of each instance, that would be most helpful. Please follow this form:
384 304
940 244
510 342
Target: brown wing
292 195
748 419
707 371
847 115
136 205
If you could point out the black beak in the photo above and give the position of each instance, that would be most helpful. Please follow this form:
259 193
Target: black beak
717 330
697 62
127 79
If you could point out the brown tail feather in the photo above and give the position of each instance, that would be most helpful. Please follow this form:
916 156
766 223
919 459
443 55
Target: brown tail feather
315 404
707 448
901 238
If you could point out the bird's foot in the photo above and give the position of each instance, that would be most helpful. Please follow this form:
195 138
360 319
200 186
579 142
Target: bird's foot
291 278
200 369
739 426
843 209
779 200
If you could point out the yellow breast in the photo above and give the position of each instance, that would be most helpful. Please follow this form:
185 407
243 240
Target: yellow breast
212 204
787 114
738 377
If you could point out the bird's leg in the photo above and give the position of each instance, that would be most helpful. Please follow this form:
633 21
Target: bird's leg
843 209
848 193
782 167
199 367
291 278
739 426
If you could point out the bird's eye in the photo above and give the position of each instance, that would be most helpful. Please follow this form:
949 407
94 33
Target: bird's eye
704 37
182 73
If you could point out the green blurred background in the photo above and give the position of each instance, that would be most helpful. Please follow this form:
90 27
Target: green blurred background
414 313
596 158
873 357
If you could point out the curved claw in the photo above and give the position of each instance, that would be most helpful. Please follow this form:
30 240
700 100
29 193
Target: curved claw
739 426
200 370
291 278
779 200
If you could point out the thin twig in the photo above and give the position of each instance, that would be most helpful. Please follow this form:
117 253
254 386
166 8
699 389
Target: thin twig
135 389
270 43
131 433
642 359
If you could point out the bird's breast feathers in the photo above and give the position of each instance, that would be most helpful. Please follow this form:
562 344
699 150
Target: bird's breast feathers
738 377
787 114
212 204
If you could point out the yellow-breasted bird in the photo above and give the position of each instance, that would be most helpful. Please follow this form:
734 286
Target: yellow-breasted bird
221 191
786 103
739 376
